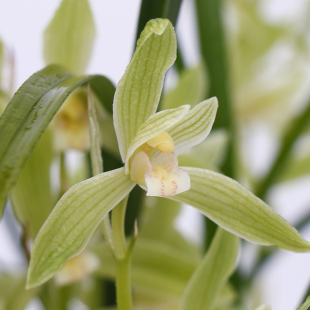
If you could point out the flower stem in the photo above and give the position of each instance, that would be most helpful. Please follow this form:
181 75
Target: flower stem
123 284
289 138
122 254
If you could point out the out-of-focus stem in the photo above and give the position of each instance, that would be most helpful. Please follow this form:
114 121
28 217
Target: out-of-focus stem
290 136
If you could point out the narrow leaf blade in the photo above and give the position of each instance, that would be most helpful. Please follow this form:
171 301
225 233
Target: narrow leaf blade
305 305
33 201
234 208
95 151
138 91
72 222
68 40
213 271
26 117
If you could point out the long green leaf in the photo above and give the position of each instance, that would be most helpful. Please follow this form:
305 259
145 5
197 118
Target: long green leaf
234 208
73 221
207 280
33 200
151 9
68 40
138 91
305 305
28 114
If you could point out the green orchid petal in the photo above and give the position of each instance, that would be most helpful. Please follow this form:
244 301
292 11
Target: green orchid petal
156 124
73 221
195 126
237 210
69 38
138 91
210 276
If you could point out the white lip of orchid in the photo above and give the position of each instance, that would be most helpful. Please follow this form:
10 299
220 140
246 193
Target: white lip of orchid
159 171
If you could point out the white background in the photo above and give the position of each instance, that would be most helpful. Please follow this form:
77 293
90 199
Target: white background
22 23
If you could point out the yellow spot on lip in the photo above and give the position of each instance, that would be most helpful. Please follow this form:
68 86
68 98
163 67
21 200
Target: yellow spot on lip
163 142
160 172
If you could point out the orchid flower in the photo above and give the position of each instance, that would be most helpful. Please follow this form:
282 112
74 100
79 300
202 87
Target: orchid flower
149 144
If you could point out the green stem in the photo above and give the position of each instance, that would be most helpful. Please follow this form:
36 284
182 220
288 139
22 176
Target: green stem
123 284
122 254
118 230
290 136
179 63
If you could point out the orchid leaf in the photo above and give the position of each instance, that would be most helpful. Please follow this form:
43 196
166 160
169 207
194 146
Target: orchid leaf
212 272
155 266
234 208
95 151
156 124
28 114
73 221
4 99
195 126
305 305
190 89
138 91
33 201
68 40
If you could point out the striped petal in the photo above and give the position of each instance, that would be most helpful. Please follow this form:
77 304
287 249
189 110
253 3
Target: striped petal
138 91
237 210
195 126
73 221
156 124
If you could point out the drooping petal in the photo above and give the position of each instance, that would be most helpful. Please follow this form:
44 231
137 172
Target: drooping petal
73 221
164 178
138 91
195 126
237 210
